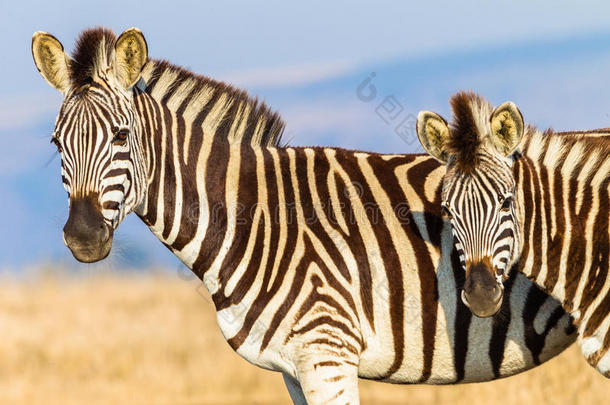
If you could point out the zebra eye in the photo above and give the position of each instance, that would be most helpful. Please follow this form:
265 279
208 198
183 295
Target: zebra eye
506 204
446 211
120 135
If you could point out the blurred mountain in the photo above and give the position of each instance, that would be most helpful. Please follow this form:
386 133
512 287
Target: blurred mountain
561 83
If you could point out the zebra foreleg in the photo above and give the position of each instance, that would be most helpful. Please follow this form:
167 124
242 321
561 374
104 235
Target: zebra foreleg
328 378
294 389
596 354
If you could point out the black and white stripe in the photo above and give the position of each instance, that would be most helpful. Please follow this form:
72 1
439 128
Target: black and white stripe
547 206
480 206
324 264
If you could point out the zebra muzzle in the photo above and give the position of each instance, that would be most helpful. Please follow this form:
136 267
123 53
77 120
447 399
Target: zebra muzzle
86 233
482 293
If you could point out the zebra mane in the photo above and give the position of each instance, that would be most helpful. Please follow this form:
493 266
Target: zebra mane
468 129
94 48
569 149
263 127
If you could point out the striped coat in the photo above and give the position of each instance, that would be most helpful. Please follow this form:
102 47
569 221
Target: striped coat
544 208
323 263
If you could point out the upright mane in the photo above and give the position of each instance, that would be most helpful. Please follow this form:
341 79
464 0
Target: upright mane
469 128
263 127
93 50
568 149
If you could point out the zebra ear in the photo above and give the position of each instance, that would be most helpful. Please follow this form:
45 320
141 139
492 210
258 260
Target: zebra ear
131 53
51 60
506 128
433 133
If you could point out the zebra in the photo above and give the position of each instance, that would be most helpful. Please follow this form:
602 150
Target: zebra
324 264
532 201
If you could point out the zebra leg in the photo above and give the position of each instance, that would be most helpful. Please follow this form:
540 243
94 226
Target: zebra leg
294 389
328 379
596 354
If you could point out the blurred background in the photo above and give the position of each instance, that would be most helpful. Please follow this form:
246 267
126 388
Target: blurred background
135 328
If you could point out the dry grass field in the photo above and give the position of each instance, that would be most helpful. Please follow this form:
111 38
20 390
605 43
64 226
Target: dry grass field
153 340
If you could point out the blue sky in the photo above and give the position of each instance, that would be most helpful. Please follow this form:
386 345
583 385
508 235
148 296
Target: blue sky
307 60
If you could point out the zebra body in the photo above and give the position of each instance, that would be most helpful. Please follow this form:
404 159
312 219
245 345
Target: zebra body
322 263
547 205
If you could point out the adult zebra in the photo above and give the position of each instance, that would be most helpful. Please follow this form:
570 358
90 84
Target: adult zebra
547 205
315 265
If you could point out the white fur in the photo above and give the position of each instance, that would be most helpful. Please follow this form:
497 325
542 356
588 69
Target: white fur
590 345
604 364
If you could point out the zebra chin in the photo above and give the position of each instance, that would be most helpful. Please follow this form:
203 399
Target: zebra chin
90 253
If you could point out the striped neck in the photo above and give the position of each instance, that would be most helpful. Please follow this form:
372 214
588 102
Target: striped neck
563 182
188 125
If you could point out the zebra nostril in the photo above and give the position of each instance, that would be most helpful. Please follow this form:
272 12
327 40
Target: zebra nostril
465 299
104 233
497 293
85 225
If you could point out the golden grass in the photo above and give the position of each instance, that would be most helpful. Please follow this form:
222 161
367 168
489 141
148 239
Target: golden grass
154 340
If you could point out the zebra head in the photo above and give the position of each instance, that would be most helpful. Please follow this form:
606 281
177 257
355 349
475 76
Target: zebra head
478 191
96 132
